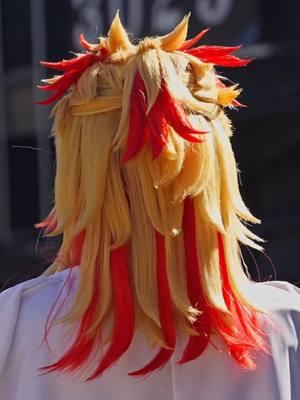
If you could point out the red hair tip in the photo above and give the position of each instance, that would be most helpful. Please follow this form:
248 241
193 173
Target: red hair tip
42 102
83 42
158 362
86 45
45 88
128 156
236 103
249 60
189 43
48 64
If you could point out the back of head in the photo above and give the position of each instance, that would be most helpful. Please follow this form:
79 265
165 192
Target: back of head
147 199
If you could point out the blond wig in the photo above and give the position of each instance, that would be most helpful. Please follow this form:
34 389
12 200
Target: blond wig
147 199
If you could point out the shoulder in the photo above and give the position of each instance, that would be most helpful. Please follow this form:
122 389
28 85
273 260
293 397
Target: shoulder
27 304
36 295
36 289
284 336
33 283
281 301
16 295
278 296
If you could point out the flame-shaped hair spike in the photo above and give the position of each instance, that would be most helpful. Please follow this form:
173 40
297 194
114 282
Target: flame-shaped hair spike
73 69
191 42
223 87
117 37
175 39
89 46
218 55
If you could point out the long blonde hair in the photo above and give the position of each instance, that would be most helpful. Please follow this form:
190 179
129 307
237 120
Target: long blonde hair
147 199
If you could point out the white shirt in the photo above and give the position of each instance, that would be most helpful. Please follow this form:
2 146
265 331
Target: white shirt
213 376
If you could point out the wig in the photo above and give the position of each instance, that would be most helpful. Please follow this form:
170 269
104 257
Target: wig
147 200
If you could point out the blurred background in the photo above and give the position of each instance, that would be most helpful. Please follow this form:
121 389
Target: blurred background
266 143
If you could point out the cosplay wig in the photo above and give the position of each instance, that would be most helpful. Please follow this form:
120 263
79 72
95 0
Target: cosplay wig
147 200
